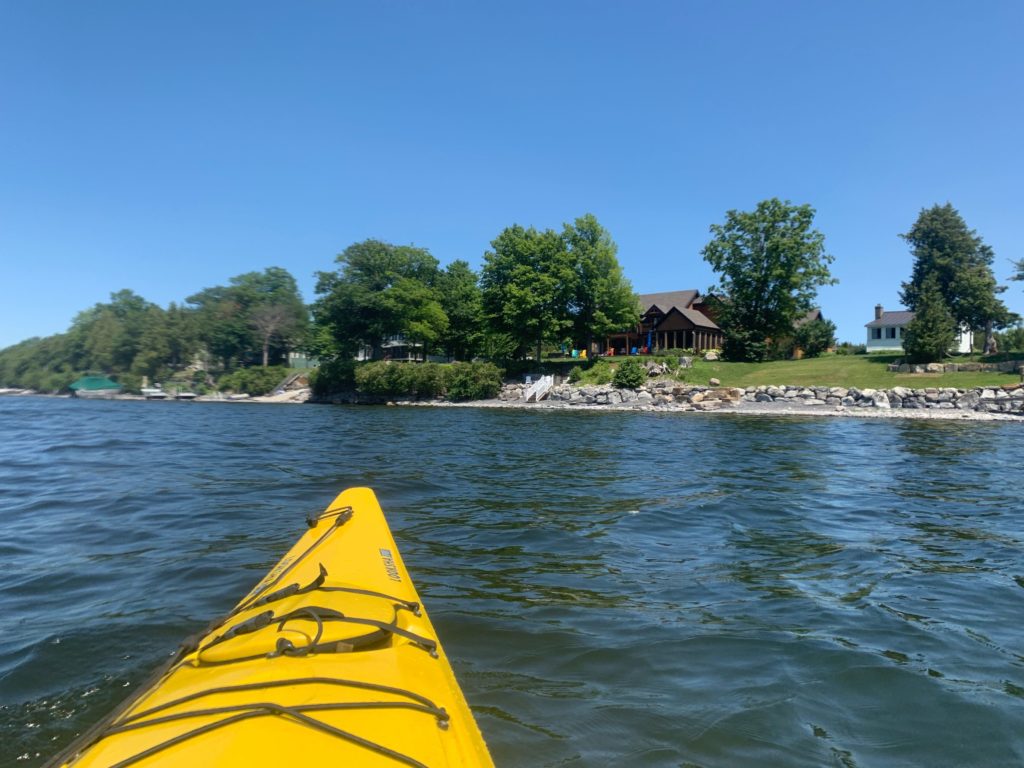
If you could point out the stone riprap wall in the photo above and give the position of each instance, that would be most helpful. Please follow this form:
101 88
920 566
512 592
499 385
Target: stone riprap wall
1007 366
669 395
1008 399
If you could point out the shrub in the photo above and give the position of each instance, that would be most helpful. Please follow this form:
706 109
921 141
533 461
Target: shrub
629 375
254 381
332 377
575 375
384 379
600 373
427 379
472 381
815 337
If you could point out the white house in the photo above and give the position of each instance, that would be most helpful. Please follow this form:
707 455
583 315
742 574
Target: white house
886 332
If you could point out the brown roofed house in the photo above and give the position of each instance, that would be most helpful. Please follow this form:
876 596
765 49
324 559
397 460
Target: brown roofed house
669 320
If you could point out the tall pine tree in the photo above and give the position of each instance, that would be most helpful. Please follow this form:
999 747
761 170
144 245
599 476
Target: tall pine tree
961 263
931 333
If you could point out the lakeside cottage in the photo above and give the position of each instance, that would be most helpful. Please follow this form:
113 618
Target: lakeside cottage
669 320
888 329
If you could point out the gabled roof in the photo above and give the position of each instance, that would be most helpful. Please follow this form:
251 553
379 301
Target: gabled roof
810 317
699 319
666 300
94 383
891 318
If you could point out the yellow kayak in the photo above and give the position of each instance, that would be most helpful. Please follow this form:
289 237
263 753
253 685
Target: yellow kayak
331 660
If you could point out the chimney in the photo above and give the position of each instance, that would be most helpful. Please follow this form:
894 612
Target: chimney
878 311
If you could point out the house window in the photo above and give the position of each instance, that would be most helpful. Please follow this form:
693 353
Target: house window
890 333
876 333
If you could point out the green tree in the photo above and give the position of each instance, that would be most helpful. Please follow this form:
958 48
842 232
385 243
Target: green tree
527 286
603 300
961 263
459 294
107 337
931 333
257 317
770 262
182 336
379 290
815 337
154 350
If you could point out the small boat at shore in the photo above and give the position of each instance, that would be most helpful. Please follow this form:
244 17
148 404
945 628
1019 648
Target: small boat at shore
330 660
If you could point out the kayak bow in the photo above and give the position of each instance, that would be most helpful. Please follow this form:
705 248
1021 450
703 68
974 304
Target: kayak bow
330 660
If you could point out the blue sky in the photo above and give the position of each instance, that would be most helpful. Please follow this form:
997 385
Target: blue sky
165 147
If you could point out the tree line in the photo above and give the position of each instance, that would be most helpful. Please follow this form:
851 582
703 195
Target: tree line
252 321
537 290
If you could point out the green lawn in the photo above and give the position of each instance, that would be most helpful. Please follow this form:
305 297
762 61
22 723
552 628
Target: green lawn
861 371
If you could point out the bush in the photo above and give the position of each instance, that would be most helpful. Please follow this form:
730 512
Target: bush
629 375
472 381
849 348
385 379
575 375
457 381
815 337
427 379
599 373
253 381
333 377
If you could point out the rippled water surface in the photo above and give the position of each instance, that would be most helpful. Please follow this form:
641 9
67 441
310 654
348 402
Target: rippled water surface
615 588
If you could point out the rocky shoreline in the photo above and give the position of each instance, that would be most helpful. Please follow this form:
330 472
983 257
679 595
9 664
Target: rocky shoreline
1004 403
981 403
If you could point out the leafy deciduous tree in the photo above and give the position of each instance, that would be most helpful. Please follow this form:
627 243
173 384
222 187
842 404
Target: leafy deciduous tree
603 300
379 290
459 294
770 262
527 286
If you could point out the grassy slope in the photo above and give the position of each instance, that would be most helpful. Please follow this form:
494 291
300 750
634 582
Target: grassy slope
861 371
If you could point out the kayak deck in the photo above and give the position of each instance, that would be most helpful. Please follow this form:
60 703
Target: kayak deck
331 657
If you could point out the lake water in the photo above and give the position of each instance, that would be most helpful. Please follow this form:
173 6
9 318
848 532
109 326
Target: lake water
624 589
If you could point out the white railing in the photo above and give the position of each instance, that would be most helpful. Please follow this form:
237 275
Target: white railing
539 389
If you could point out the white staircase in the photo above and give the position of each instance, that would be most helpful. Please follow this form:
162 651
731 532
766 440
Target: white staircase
539 389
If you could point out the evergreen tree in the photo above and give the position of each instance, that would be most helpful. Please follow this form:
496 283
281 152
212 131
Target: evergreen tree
931 333
961 263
